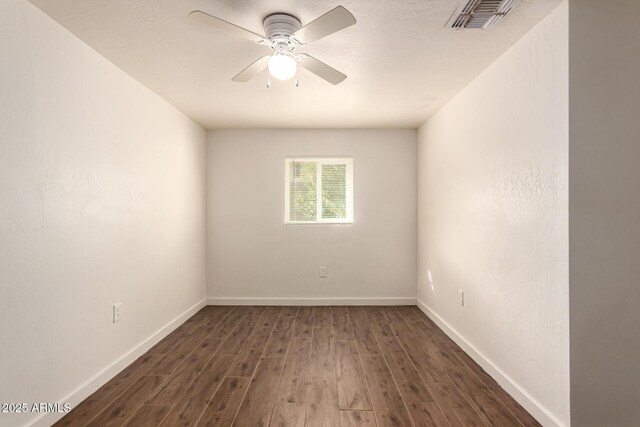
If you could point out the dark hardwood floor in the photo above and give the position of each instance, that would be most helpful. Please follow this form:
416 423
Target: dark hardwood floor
302 366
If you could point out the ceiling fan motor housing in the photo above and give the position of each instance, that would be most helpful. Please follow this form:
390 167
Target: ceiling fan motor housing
284 34
280 26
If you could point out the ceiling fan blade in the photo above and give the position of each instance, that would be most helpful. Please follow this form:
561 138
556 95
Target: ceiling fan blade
321 69
221 24
332 21
252 70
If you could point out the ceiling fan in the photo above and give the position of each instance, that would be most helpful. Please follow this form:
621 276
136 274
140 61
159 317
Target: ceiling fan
284 34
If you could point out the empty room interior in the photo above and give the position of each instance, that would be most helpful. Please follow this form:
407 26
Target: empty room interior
317 213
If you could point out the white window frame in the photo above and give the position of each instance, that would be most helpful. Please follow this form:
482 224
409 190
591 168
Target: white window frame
342 160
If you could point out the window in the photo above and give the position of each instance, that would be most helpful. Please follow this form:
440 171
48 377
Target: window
318 190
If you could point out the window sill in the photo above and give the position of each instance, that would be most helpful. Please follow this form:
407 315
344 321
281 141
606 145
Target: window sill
306 223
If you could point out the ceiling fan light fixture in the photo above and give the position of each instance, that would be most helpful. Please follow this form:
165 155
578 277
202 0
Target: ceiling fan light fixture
284 34
283 66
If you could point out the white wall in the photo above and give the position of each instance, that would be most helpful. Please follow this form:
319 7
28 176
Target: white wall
252 254
493 201
604 208
101 201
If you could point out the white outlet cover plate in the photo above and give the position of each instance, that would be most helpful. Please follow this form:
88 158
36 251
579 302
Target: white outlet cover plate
461 297
117 312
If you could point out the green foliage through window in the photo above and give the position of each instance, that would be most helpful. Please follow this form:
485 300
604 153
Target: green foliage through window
319 190
334 191
303 190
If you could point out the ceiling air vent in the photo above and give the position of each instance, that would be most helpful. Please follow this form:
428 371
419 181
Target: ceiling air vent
481 14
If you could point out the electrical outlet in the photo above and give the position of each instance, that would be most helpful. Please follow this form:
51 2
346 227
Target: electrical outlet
117 312
461 297
323 271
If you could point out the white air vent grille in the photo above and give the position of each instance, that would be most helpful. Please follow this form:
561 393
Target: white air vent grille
481 14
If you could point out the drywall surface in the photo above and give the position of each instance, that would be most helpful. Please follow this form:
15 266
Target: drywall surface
492 202
604 212
101 201
252 254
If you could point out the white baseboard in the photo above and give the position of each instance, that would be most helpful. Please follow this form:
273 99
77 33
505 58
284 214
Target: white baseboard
539 412
311 301
93 384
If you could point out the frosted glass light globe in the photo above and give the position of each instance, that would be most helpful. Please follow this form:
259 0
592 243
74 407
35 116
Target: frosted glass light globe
282 67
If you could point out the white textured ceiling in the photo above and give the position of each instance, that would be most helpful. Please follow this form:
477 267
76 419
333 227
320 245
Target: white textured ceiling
402 65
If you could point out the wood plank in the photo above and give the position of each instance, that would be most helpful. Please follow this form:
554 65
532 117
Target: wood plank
322 364
304 323
322 404
341 323
148 416
475 368
362 330
170 341
257 404
428 367
128 402
413 318
279 341
441 351
386 399
288 415
515 408
224 405
411 386
427 414
295 374
270 316
199 319
92 405
194 400
352 387
419 314
321 381
357 419
441 344
439 333
503 397
379 322
322 317
256 310
455 407
218 315
248 358
395 320
224 328
239 336
179 353
290 310
482 400
322 394
184 374
419 346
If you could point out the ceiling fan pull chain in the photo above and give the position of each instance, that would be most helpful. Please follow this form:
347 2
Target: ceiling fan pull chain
268 83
